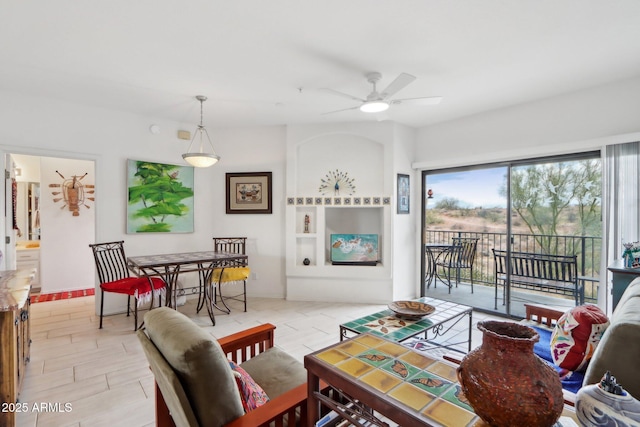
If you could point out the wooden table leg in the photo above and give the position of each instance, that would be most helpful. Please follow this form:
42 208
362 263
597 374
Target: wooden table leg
313 404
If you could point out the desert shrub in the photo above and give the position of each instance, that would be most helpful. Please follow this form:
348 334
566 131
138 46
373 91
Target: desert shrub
432 217
448 203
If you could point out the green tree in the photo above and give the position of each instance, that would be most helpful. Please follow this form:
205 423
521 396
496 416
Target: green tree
161 194
589 196
541 195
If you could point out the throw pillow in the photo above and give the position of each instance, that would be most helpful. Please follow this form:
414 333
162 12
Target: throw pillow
251 394
576 336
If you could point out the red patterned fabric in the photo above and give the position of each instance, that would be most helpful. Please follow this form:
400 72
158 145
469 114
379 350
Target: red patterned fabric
251 394
576 336
136 286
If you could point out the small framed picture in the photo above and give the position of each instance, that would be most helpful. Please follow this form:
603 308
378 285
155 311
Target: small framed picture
403 194
249 193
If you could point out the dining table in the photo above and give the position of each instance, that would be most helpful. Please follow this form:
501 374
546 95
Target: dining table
169 266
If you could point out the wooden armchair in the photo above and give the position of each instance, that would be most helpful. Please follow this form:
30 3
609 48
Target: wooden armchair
195 385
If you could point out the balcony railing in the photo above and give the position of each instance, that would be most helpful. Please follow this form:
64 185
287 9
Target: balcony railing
587 249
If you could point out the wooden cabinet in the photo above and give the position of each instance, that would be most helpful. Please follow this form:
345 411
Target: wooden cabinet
620 279
15 337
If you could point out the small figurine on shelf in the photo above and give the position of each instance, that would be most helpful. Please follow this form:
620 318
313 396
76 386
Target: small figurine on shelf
306 223
630 255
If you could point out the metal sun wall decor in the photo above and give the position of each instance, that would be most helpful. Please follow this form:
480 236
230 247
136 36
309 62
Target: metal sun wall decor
160 198
73 192
335 181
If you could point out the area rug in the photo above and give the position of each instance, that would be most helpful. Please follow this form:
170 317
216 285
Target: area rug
62 295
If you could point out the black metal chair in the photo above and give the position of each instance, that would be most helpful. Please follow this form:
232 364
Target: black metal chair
234 272
114 276
459 257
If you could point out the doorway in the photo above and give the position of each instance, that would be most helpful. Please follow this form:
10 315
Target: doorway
54 221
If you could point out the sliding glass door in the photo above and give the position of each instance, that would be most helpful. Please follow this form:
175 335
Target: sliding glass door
535 227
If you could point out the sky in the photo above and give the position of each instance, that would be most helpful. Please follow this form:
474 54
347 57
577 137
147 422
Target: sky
473 188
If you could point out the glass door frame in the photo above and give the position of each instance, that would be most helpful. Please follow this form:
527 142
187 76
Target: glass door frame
509 165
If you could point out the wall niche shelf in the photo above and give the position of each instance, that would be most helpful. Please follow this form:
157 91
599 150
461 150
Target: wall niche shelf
367 152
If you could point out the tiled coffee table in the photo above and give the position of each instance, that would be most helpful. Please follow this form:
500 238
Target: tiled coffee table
386 324
403 385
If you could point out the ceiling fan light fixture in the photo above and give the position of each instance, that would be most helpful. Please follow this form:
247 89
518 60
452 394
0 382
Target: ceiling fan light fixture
201 158
374 107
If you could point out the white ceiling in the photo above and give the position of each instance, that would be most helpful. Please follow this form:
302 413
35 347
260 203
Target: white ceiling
262 62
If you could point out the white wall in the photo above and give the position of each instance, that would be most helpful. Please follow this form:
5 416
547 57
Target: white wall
405 230
66 262
573 122
41 126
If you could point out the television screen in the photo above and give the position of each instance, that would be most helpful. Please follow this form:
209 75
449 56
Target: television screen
354 249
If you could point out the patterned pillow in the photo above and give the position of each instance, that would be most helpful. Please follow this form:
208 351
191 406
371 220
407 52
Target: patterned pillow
576 336
251 394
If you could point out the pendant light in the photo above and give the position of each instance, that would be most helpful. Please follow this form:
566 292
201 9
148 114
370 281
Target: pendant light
201 158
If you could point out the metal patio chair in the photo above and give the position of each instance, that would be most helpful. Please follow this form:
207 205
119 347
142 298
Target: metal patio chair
114 276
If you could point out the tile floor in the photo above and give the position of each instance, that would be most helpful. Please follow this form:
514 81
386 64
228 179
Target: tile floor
103 375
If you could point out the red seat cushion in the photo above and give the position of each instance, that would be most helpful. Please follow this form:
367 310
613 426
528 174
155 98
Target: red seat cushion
131 284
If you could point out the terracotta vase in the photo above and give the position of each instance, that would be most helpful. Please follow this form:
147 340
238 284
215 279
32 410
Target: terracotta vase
506 383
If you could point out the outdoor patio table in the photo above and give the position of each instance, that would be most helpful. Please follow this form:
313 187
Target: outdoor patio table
434 253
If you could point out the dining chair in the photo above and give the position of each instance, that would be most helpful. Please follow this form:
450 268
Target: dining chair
235 272
459 257
114 276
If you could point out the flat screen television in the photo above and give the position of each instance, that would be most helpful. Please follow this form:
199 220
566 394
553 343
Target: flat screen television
354 249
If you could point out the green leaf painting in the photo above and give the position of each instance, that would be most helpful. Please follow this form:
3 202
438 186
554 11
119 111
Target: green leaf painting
160 198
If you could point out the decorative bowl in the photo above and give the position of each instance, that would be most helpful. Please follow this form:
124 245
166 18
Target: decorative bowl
411 309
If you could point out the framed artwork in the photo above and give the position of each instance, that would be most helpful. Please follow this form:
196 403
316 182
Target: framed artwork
403 194
160 198
249 193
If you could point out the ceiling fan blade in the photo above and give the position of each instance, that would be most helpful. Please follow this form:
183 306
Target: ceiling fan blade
428 100
339 111
398 84
344 95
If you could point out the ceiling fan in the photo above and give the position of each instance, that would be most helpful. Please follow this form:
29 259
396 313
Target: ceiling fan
377 102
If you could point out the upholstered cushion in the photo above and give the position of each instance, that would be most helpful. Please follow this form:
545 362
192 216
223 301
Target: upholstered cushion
133 285
619 350
172 391
576 336
230 274
570 380
275 371
199 362
251 394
